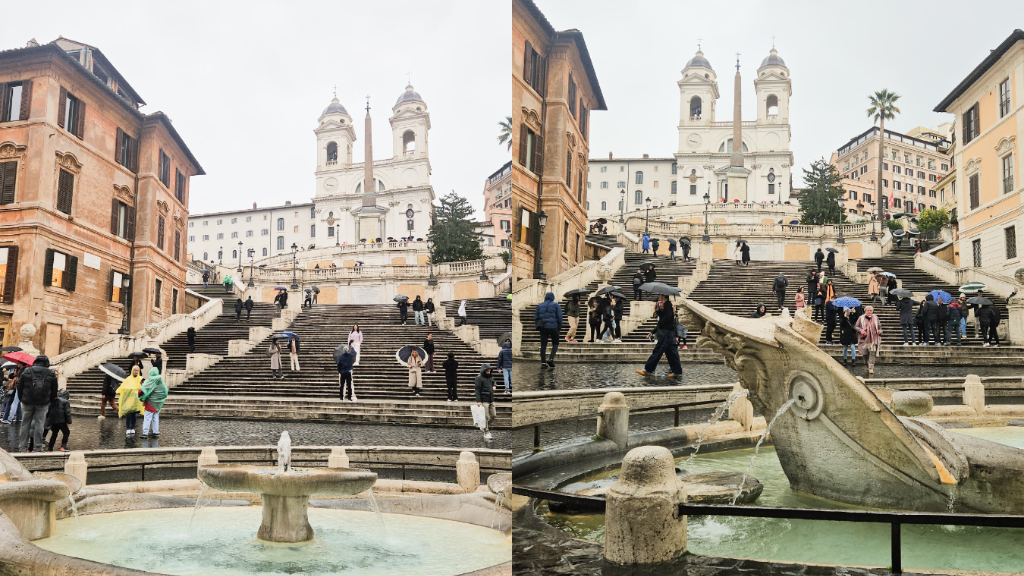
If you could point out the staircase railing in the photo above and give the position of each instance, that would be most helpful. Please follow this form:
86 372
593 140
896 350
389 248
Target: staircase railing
996 284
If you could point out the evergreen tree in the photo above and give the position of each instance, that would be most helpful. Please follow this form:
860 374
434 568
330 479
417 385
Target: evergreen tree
453 231
819 203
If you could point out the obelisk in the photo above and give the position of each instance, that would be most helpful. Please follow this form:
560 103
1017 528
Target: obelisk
737 173
369 223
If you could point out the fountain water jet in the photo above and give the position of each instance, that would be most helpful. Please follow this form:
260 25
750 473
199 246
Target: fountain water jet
757 447
719 412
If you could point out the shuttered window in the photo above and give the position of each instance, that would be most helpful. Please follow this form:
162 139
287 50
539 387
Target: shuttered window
160 232
71 113
533 69
165 169
568 169
157 291
571 99
177 246
8 178
974 194
117 292
119 219
126 150
60 270
15 101
583 125
179 186
65 191
972 126
9 273
174 300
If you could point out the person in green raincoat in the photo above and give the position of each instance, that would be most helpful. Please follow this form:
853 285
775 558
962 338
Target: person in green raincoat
129 406
152 394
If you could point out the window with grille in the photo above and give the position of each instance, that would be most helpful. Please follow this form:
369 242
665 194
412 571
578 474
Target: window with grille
976 249
1010 235
156 292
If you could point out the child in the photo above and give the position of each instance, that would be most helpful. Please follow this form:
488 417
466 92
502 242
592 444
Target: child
680 331
57 419
451 377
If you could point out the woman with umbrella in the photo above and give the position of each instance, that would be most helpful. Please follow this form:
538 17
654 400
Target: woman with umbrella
848 336
645 243
617 306
745 254
737 252
275 358
130 406
415 372
595 312
355 340
890 284
830 261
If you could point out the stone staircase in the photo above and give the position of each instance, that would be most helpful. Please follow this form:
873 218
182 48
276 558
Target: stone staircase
492 315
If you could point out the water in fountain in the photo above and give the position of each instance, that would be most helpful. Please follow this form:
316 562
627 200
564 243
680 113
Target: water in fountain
495 513
74 507
284 453
199 499
719 412
782 410
376 510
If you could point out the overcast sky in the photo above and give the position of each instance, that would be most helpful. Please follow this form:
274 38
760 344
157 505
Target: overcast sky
837 53
244 82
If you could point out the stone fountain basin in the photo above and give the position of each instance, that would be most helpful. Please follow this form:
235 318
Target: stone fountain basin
293 483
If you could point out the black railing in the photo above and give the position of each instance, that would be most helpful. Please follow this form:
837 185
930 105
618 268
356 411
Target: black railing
895 520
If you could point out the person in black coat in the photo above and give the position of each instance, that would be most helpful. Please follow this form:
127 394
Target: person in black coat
417 308
248 308
989 322
403 311
451 377
686 249
921 322
819 257
671 249
57 419
618 307
638 280
158 363
238 310
650 275
428 347
594 315
655 243
891 285
745 251
848 335
37 389
760 311
668 340
191 335
906 309
830 260
108 395
831 316
941 333
931 320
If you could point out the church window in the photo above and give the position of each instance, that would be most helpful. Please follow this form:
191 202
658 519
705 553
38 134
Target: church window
280 242
312 212
330 231
312 230
380 185
693 189
727 147
220 254
604 206
772 105
638 198
409 142
674 187
264 251
675 168
330 214
771 188
280 224
234 254
206 255
639 177
332 152
695 108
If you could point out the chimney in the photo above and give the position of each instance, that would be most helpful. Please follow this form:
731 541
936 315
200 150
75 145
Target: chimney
253 205
609 155
647 155
287 202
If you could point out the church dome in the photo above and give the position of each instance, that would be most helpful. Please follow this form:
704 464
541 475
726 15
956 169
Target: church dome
335 107
409 95
699 60
773 59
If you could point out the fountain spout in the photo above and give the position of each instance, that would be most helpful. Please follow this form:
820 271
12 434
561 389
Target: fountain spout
284 453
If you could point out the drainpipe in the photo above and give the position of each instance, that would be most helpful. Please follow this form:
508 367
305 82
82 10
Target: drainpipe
126 326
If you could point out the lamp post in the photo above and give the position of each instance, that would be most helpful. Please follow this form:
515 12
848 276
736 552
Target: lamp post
840 240
647 217
430 248
220 255
622 206
295 260
873 215
337 234
542 221
707 203
239 258
126 284
252 263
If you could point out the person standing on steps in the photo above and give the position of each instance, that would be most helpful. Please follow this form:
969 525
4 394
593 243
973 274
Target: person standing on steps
158 363
608 329
831 313
638 280
779 289
954 314
650 275
462 314
248 308
572 310
283 302
483 387
451 377
819 257
848 336
505 364
403 311
594 319
275 359
799 299
191 335
618 306
415 373
153 394
873 287
931 320
906 310
686 249
238 309
547 319
830 260
812 287
417 309
107 395
989 322
355 340
745 254
37 389
429 309
346 360
941 336
890 285
206 279
307 302
668 341
645 243
737 252
655 244
130 406
428 347
293 352
671 249
58 417
869 330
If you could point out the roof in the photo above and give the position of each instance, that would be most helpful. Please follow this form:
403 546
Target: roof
699 60
595 160
105 62
334 107
243 211
409 95
166 121
577 37
980 70
773 59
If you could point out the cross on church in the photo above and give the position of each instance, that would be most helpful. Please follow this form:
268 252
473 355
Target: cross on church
367 103
408 75
737 61
335 90
773 41
698 43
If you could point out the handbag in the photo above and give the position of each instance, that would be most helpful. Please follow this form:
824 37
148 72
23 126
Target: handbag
479 416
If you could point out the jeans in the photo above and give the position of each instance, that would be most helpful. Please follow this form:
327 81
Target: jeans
852 348
963 327
545 335
910 328
64 430
35 420
781 298
130 420
151 419
12 410
420 319
430 318
594 329
490 414
672 254
951 328
345 383
984 331
507 372
666 345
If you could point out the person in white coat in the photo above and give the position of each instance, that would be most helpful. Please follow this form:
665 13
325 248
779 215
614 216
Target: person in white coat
355 340
462 313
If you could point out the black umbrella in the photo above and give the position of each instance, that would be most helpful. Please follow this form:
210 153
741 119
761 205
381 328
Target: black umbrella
405 351
505 336
914 231
898 233
659 288
316 289
684 241
606 290
577 292
902 293
979 301
833 250
114 371
647 266
602 220
281 337
152 351
137 355
205 271
618 294
400 298
7 349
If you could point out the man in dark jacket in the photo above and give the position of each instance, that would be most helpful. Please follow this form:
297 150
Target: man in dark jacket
594 313
428 347
942 335
671 249
812 287
483 391
547 318
989 322
57 419
417 308
158 363
655 243
284 300
108 395
931 320
891 285
954 312
403 311
451 377
686 249
37 388
429 309
830 260
505 364
638 280
668 340
345 361
238 310
819 257
779 289
650 275
191 335
248 308
906 310
618 308
921 323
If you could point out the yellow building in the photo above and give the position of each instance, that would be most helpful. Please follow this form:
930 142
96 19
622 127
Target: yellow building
989 122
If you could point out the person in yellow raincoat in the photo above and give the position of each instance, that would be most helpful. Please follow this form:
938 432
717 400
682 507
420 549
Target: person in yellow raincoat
129 405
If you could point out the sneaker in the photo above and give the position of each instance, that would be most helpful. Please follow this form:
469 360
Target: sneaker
63 448
543 365
905 344
671 375
684 346
985 344
617 341
449 401
642 373
551 363
488 436
101 417
353 398
995 345
144 436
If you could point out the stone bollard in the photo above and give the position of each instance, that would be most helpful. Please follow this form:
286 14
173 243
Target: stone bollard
338 458
642 520
742 411
911 403
208 457
613 419
974 393
76 466
468 471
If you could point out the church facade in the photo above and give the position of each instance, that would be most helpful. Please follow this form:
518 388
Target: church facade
399 202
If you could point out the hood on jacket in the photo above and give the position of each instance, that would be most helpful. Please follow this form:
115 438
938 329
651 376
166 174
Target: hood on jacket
507 345
485 367
154 374
42 360
63 394
549 297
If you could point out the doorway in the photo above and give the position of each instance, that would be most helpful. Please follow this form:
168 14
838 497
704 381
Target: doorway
53 333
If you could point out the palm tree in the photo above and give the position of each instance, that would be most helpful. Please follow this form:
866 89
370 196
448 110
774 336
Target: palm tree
883 107
506 132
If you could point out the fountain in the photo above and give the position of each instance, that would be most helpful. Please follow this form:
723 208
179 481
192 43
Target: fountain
29 499
286 490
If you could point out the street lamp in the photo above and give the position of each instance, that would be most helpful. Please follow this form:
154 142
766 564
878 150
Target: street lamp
873 215
295 260
337 234
126 284
239 258
430 248
647 218
622 206
840 240
542 221
220 255
252 262
707 203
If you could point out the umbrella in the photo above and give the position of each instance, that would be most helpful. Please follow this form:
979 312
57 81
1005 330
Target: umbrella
602 220
316 289
152 351
205 271
833 250
292 335
899 215
399 298
899 233
6 349
913 231
405 351
577 292
646 266
606 290
941 296
889 274
902 293
684 241
279 287
977 300
505 336
972 287
114 371
794 222
20 358
8 365
659 288
618 294
281 336
308 291
846 302
874 269
137 355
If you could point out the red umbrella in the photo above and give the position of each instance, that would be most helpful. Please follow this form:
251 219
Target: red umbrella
20 358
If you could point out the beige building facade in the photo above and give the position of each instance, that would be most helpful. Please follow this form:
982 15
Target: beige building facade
498 204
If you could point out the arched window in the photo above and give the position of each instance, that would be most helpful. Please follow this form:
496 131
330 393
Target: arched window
695 108
359 188
206 255
638 199
312 230
639 177
312 212
772 105
234 254
674 187
604 205
264 251
675 167
380 185
280 224
727 147
332 152
409 142
330 214
280 242
220 254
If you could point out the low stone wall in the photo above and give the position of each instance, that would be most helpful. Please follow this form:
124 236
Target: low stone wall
533 408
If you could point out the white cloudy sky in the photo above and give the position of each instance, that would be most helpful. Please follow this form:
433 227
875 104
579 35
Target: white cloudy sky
245 82
837 53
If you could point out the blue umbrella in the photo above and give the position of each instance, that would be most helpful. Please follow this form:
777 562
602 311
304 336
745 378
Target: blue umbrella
296 336
846 302
888 274
941 296
280 288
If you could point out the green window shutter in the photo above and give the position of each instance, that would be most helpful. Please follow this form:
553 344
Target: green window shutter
48 268
72 274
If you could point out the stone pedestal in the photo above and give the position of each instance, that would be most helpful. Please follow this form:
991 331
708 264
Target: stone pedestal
259 333
613 419
195 363
28 332
208 457
1015 326
237 347
705 251
974 393
174 377
285 519
911 403
642 520
742 411
338 458
468 471
76 466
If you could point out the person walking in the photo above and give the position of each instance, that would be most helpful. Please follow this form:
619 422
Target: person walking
650 275
618 307
830 260
671 249
307 301
848 336
191 335
667 340
153 394
873 287
158 362
429 309
248 308
428 347
819 257
921 322
965 309
238 309
645 243
275 359
483 392
462 314
594 319
451 377
346 360
655 244
206 278
745 254
608 319
293 352
931 320
869 330
906 309
638 280
990 321
819 304
355 340
58 418
954 314
831 316
129 405
547 318
417 309
890 285
942 336
686 249
415 373
572 310
737 252
799 299
37 389
107 396
779 289
283 302
403 311
505 364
